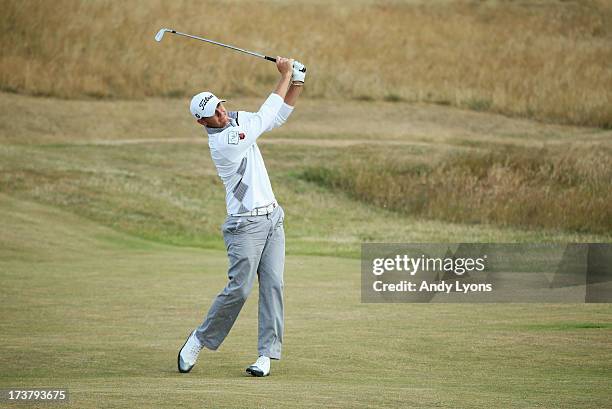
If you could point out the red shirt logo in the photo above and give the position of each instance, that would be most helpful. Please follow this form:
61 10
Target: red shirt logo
241 136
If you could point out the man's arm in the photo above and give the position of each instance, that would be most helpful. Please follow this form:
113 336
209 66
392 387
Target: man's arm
297 83
285 67
290 99
292 94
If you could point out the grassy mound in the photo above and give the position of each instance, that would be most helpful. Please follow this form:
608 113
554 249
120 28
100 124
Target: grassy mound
512 186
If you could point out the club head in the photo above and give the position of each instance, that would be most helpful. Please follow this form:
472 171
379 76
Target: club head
160 34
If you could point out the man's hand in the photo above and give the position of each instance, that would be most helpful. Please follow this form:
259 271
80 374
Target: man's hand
298 77
284 65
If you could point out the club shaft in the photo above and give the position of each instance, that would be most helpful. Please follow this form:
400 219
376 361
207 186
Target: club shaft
225 45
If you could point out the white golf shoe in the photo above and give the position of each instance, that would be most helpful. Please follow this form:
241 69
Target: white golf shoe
188 354
261 367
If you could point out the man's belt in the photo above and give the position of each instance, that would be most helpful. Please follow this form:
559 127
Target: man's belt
260 211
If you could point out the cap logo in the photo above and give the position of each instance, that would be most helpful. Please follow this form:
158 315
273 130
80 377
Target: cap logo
204 101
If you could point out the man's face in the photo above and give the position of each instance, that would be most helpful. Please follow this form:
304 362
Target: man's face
219 120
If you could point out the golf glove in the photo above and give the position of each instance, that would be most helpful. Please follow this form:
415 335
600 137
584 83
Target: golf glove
298 76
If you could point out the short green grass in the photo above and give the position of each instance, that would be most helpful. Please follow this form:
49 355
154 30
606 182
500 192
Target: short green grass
103 314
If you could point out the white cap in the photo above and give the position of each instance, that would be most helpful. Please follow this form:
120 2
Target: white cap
204 104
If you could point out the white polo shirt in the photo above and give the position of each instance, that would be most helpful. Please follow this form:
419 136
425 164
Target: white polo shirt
237 157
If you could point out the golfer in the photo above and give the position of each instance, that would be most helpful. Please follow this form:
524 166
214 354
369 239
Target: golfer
253 230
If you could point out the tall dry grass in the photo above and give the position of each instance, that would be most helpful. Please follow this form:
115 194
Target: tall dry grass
544 59
560 188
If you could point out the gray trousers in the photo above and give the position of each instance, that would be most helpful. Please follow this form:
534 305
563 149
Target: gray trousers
255 247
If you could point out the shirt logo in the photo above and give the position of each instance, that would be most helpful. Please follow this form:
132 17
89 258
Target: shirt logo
233 137
242 135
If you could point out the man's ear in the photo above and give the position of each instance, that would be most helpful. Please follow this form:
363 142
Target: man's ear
202 121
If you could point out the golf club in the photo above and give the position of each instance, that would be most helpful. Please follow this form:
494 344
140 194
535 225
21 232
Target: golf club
160 35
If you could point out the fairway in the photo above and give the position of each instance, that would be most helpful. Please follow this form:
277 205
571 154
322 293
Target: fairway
103 314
